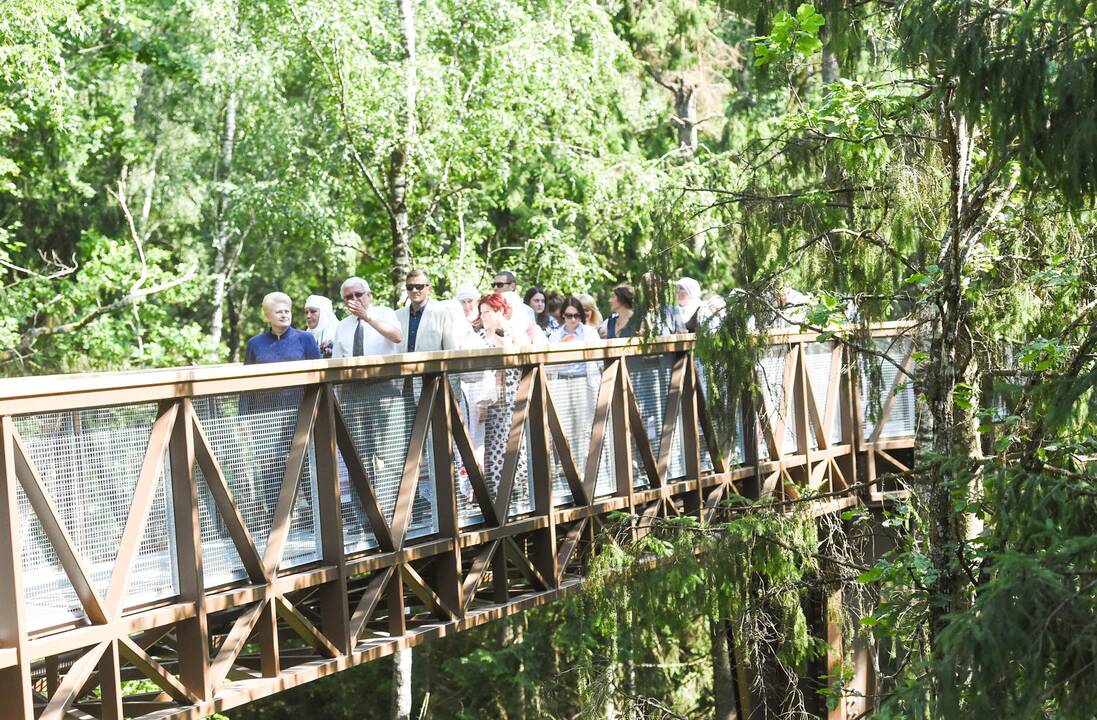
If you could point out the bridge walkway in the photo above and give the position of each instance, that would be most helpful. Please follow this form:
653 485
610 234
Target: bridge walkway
229 532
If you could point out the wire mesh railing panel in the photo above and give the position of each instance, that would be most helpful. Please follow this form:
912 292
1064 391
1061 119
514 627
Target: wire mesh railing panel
89 461
358 535
574 390
878 378
424 508
380 415
771 379
819 359
702 385
473 392
251 435
650 377
521 496
48 596
487 400
155 569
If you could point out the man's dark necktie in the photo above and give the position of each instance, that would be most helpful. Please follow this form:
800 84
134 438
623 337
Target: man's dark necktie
359 340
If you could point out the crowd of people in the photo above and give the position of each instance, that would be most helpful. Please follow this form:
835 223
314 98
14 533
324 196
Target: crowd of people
470 319
501 318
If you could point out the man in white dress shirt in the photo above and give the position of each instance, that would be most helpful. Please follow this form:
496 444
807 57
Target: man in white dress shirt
375 410
369 329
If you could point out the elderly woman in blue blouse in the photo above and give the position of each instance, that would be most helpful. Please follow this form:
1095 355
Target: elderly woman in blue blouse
281 342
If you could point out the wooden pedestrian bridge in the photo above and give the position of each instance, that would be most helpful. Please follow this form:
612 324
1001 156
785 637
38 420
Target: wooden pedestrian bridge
229 532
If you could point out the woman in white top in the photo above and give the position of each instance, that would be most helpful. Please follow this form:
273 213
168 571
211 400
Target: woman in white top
321 321
574 390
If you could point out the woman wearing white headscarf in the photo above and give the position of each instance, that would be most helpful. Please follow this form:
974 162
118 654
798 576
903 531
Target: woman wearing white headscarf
687 292
321 321
467 295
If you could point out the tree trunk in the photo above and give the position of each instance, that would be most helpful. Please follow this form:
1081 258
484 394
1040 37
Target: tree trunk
236 325
520 671
505 640
685 115
401 685
399 181
952 362
723 680
831 70
221 226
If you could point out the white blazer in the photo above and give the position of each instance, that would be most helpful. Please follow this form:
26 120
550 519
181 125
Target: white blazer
442 327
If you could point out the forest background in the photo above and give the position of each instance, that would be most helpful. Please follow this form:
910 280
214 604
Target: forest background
164 164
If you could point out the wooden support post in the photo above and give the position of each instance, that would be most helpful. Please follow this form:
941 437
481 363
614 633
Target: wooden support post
500 592
691 440
447 567
110 683
53 674
751 486
15 685
849 415
544 540
191 634
395 601
332 596
266 632
802 414
622 441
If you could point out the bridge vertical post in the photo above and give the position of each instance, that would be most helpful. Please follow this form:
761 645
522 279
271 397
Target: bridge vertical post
751 486
15 685
622 439
544 540
691 445
448 564
849 409
857 430
192 640
802 415
333 603
110 684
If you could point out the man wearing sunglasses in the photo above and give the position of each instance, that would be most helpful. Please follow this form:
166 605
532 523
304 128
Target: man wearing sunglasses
504 282
369 329
429 325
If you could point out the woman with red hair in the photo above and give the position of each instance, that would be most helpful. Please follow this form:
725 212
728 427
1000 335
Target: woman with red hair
496 414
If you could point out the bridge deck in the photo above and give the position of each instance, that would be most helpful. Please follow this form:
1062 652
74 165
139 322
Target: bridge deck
228 532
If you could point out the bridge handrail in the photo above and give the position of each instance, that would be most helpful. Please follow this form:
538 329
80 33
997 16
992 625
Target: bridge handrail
67 391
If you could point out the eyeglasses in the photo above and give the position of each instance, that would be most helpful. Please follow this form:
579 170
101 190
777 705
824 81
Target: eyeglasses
498 284
569 316
354 296
416 287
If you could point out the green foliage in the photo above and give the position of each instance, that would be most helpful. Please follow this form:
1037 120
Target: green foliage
683 573
790 35
1027 64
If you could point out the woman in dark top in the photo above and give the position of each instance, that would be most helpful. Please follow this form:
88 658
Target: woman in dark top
281 342
535 298
622 322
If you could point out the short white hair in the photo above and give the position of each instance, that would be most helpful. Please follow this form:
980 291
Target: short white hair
274 298
351 281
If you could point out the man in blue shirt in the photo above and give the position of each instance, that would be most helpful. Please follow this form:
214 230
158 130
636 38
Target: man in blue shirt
281 342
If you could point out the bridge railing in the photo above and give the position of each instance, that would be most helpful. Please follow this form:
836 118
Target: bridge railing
229 531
